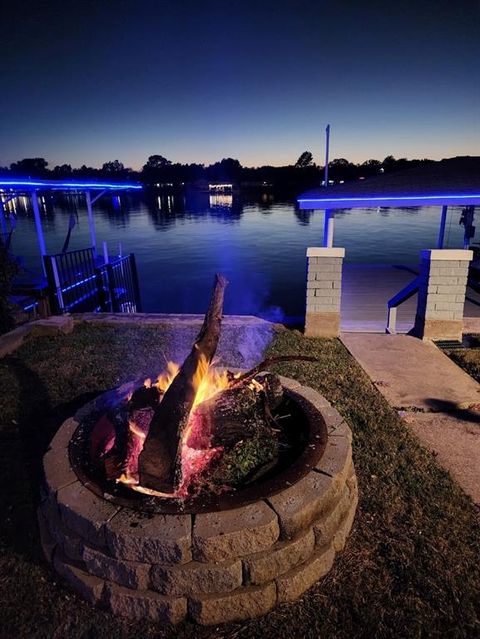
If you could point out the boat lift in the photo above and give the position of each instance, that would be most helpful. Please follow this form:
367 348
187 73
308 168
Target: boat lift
61 279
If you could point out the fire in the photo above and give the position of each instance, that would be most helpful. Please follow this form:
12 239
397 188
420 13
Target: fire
207 382
166 378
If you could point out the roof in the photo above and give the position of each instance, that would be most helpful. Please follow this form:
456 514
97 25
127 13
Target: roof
27 184
452 181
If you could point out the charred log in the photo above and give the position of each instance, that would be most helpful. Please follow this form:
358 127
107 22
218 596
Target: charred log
159 465
239 420
235 414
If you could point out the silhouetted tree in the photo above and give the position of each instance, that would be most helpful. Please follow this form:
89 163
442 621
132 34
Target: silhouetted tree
342 169
306 159
30 167
156 162
228 170
113 167
370 167
63 170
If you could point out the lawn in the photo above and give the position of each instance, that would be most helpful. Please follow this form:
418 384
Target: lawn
410 567
468 358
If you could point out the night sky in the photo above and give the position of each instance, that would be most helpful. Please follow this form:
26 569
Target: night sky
90 81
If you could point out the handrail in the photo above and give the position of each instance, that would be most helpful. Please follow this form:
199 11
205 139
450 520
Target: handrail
405 294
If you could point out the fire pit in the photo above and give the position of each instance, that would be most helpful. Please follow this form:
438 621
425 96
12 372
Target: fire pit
238 503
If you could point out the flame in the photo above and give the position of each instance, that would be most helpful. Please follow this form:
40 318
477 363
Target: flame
207 382
166 378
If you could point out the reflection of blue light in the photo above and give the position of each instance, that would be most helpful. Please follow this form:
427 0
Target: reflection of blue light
323 201
69 288
53 184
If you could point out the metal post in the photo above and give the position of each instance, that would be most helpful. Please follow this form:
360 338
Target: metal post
441 232
328 227
38 225
58 287
136 288
3 222
327 149
91 223
106 259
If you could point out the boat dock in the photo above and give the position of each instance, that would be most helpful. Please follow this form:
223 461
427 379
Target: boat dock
366 289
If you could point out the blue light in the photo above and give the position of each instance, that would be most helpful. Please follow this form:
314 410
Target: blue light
53 184
388 197
325 202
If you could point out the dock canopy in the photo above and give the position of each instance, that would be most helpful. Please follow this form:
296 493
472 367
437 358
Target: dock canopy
10 188
450 182
27 184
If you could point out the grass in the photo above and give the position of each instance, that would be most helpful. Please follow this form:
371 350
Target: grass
410 567
468 358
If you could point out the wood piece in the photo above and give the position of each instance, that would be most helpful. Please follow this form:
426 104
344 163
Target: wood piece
159 462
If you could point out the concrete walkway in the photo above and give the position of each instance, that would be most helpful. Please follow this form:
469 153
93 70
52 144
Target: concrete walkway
438 401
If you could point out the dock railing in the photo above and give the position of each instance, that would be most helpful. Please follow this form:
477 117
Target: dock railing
405 294
78 284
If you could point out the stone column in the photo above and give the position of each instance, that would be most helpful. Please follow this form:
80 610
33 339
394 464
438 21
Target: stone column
324 282
441 294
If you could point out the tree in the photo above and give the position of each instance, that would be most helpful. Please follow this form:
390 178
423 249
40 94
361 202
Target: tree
306 159
372 163
370 167
156 162
30 167
113 167
62 170
228 170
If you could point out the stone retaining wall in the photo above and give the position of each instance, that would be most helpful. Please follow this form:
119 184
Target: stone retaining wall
214 567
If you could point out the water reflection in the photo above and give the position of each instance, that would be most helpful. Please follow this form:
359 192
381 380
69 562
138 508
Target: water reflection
181 239
303 216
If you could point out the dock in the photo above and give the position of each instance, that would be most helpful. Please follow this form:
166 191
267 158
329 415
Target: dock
366 289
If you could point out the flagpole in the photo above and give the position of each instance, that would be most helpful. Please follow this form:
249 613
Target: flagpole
327 150
329 215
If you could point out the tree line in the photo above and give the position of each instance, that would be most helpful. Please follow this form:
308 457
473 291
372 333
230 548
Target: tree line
159 170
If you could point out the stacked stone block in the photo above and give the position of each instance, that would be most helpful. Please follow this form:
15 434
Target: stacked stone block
324 284
212 567
441 294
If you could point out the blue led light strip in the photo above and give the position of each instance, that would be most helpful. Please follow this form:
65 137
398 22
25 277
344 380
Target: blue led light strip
393 198
51 184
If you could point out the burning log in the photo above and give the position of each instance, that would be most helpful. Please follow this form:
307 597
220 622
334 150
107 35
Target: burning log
159 461
240 412
240 422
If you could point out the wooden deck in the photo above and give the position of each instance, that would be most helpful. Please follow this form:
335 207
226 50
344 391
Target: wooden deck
366 289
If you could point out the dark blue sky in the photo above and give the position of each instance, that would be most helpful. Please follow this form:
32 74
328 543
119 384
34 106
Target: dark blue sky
86 81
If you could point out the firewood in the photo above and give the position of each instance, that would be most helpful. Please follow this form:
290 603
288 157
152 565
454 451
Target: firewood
159 462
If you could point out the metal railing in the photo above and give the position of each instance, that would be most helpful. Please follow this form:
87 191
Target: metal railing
392 305
77 284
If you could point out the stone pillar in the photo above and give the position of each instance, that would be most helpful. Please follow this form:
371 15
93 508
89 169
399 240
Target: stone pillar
324 282
441 294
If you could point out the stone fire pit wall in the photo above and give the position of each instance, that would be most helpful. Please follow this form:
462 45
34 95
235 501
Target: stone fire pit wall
214 567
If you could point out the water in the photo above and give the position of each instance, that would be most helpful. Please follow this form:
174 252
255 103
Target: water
181 242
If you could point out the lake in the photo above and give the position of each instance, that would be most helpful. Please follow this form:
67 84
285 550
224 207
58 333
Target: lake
180 242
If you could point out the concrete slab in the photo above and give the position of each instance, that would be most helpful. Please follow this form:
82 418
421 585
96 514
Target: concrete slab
456 443
411 373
